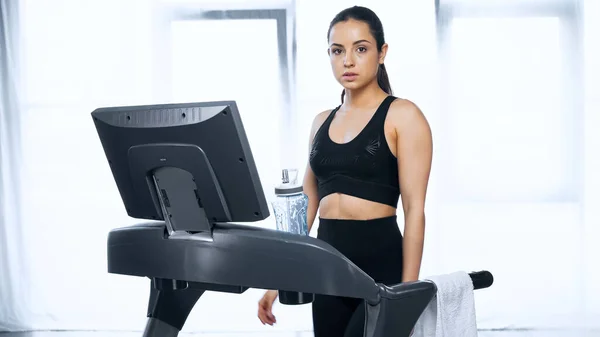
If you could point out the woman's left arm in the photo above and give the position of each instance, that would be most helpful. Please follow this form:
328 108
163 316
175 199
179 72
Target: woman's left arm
414 146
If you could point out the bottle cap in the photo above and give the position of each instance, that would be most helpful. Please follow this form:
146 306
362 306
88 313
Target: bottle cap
289 184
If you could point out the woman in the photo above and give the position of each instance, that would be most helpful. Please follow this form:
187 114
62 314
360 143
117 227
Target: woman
365 155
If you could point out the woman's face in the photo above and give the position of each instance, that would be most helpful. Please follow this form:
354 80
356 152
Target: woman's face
353 53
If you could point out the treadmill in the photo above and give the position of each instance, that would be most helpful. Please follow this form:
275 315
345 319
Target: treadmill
188 172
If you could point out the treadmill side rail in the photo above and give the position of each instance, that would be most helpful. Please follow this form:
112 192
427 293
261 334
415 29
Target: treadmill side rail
309 265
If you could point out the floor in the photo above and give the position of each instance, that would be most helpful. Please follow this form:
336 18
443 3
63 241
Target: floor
300 334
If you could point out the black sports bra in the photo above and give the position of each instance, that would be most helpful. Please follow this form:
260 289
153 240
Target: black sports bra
364 167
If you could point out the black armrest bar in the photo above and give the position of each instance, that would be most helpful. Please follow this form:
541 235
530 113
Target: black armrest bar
481 279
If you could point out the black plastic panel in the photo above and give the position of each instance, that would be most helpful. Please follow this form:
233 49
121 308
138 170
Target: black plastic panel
239 255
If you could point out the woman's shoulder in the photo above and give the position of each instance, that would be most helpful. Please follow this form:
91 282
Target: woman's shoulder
400 104
409 122
318 121
321 117
403 112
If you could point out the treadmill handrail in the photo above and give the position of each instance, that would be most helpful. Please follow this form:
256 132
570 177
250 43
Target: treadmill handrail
481 279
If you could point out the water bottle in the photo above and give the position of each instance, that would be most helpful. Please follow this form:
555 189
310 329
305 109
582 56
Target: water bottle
290 204
290 207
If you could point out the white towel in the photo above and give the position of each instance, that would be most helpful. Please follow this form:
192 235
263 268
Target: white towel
451 313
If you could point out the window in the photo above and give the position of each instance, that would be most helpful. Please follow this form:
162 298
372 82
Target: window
235 54
512 115
509 152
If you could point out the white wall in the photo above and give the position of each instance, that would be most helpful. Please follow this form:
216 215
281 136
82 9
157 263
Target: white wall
84 54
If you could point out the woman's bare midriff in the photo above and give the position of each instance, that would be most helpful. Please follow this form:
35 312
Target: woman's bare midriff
341 206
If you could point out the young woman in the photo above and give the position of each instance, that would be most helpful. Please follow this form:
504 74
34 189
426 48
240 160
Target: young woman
365 155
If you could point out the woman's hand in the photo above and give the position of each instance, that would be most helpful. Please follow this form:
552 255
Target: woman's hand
265 306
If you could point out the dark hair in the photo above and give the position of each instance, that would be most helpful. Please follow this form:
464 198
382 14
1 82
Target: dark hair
369 17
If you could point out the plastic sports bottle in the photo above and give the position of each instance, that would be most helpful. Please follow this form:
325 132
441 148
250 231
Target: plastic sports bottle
290 204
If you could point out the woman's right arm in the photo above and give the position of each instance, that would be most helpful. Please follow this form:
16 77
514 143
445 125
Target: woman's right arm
310 181
310 189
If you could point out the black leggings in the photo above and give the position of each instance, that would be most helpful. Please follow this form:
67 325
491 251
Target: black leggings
375 246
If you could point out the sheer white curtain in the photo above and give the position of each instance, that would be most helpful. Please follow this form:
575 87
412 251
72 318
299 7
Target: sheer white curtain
14 281
525 209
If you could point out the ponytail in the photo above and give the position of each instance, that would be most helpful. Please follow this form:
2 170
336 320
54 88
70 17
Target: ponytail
382 79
